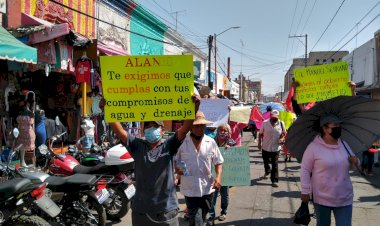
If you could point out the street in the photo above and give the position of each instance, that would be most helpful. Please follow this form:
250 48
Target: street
262 205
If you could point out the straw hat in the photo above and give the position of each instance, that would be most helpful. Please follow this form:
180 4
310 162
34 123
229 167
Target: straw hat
200 119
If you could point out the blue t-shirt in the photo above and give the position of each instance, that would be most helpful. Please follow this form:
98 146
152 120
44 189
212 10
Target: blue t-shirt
155 189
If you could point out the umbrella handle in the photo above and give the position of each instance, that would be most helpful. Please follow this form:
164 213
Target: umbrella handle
356 165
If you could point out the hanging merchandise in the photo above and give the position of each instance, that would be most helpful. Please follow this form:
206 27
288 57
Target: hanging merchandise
84 71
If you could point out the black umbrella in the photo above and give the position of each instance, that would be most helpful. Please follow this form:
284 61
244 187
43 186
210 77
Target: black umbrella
360 123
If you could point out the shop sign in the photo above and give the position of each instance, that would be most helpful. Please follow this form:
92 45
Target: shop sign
148 88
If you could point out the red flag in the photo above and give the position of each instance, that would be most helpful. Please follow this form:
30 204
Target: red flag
256 115
309 105
289 99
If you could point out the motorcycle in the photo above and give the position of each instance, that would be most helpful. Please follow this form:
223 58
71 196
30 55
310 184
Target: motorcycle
75 195
22 200
117 163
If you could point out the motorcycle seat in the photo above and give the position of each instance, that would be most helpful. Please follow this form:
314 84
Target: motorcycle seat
76 179
97 169
11 187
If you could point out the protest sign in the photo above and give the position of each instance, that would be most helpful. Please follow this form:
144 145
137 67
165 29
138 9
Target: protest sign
236 166
215 110
287 118
322 82
240 114
147 88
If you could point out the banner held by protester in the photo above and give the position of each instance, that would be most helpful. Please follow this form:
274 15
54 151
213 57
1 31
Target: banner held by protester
148 88
215 110
236 166
322 82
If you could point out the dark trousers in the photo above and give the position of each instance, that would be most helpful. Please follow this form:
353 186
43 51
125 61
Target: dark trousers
195 203
168 218
368 160
254 131
224 198
272 158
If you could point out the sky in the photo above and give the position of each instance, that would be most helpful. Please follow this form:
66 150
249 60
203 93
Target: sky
261 47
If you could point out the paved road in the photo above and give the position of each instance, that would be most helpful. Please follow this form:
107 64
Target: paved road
262 205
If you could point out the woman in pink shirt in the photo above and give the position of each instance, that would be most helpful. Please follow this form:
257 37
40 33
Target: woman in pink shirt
325 174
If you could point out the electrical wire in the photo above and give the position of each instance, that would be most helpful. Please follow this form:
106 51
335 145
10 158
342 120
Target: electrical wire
121 28
308 18
328 24
354 36
355 25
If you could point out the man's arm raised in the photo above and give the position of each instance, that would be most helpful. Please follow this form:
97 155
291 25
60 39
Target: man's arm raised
115 126
181 132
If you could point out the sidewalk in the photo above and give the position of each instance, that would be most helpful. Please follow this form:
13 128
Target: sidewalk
262 205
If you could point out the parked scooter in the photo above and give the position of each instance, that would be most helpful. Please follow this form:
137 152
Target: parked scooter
117 163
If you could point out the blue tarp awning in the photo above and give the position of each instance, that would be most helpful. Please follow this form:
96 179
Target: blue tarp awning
14 50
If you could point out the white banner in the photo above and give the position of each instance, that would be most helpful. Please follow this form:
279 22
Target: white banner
240 114
215 110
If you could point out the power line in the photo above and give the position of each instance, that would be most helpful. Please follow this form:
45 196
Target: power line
290 31
354 36
121 28
355 25
308 18
328 24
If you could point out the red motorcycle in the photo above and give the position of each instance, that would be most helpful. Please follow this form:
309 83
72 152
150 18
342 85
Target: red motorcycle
118 165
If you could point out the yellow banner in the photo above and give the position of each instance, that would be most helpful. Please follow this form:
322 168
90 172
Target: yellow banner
322 82
148 88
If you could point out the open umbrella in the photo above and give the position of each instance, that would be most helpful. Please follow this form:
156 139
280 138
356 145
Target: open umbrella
360 123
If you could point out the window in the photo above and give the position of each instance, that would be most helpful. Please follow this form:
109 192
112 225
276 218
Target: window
332 60
317 61
324 60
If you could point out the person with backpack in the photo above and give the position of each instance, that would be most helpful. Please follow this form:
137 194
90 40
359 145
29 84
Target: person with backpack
272 133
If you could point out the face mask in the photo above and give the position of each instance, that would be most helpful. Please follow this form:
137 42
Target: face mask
152 134
336 132
210 133
196 137
274 120
223 136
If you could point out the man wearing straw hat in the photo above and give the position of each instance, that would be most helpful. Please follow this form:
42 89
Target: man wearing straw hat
196 157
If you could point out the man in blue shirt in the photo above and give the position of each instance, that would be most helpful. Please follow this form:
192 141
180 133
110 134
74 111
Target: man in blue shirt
155 202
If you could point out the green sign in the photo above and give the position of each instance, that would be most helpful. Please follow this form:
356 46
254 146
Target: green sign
236 166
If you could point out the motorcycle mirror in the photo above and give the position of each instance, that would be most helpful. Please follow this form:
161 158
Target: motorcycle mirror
43 149
15 132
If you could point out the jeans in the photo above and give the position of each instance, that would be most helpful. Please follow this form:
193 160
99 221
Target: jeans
196 203
271 157
223 202
168 218
88 141
343 215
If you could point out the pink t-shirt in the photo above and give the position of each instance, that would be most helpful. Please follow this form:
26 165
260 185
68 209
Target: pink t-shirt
236 128
330 182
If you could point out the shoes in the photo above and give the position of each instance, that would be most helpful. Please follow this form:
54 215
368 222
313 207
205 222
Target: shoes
210 221
222 217
286 159
274 184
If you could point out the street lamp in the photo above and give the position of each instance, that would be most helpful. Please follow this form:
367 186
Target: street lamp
209 69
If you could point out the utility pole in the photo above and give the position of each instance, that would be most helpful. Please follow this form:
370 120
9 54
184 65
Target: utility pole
281 92
216 76
176 17
241 70
209 41
229 68
305 44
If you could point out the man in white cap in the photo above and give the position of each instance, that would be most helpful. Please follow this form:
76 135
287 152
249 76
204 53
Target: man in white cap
197 155
271 133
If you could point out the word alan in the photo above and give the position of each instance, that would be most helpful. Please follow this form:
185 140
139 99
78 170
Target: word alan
138 62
